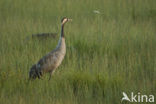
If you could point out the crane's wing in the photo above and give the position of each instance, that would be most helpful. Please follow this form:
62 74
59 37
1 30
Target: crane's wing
48 61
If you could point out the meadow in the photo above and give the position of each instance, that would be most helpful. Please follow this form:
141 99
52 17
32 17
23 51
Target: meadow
107 53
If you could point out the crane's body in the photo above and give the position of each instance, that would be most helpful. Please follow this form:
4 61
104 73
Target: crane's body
52 60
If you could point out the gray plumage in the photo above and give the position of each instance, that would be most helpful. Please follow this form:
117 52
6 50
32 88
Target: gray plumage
52 60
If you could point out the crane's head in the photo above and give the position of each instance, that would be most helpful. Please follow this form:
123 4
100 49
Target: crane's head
64 20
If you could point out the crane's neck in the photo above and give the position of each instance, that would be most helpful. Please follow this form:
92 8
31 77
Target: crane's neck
62 31
61 42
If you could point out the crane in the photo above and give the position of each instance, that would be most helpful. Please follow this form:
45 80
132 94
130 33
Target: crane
50 62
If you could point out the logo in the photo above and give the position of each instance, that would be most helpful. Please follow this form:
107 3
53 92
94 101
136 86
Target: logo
137 97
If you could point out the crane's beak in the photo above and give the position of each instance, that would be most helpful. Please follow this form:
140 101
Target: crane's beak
69 19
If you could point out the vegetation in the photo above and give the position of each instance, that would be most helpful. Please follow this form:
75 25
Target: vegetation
107 53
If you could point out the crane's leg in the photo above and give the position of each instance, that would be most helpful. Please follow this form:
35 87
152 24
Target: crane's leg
50 75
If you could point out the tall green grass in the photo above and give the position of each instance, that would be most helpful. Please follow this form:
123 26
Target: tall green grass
107 53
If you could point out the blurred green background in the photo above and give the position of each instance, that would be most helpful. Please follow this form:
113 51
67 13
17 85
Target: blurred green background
107 53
